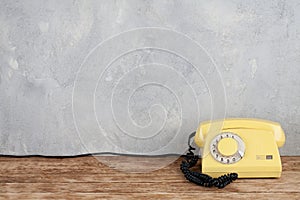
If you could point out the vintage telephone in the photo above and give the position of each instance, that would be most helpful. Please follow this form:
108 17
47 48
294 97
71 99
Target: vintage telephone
232 148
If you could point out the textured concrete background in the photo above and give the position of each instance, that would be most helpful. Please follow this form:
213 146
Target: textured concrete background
64 92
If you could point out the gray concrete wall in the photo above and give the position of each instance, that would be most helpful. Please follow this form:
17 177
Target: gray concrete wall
91 76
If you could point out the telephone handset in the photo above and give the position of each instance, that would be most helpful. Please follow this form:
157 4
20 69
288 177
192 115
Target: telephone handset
247 148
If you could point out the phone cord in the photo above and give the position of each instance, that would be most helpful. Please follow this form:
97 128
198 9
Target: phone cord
202 179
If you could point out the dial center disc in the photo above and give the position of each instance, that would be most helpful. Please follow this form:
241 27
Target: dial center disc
227 146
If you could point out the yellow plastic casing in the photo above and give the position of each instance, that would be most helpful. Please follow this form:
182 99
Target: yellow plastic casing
261 139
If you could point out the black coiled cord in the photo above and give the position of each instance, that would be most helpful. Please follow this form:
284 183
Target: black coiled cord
203 179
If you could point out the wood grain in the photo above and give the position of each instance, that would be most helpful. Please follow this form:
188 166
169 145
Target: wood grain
88 178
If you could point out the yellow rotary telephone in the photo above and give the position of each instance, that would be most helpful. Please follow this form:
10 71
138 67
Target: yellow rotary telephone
244 148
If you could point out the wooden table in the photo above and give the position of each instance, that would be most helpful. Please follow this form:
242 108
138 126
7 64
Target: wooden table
86 177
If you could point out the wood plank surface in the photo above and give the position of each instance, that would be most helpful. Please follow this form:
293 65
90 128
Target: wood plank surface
88 178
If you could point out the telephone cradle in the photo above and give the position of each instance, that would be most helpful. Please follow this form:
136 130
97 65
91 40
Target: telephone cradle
231 148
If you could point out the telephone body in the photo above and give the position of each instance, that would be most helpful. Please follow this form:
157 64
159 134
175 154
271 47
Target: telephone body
248 147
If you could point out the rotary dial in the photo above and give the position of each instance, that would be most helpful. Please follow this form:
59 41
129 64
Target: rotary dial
227 148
